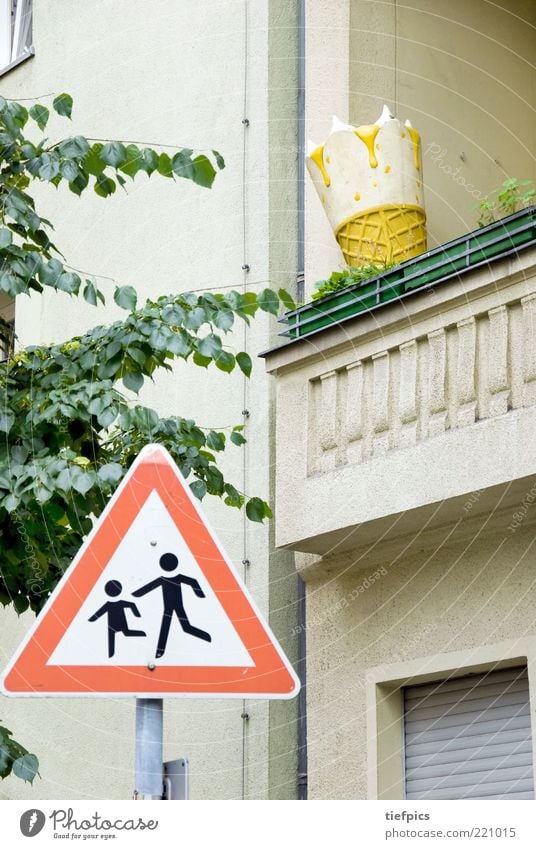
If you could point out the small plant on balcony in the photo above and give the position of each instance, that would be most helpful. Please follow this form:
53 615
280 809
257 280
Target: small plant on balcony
512 196
349 277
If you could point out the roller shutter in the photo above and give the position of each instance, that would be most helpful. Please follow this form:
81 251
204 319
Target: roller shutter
469 738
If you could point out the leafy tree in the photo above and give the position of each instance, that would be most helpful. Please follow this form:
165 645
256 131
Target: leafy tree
68 431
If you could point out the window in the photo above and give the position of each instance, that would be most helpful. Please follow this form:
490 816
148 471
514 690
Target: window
469 738
15 32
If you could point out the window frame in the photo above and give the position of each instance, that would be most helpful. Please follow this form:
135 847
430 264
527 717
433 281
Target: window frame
10 34
385 704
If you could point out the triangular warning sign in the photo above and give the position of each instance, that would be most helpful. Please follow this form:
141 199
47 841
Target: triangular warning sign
151 606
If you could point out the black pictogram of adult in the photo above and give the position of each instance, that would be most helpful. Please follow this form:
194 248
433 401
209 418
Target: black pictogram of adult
117 620
172 597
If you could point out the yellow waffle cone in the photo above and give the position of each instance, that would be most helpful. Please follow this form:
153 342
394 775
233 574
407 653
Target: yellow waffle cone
383 234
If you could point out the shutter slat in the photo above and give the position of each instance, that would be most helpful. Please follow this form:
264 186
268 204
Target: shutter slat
503 676
470 754
452 720
517 723
467 705
469 738
462 744
491 765
467 693
524 790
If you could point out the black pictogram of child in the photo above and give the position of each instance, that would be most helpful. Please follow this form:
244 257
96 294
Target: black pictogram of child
117 620
172 599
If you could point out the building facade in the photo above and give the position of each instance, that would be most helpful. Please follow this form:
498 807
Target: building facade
395 445
193 74
405 463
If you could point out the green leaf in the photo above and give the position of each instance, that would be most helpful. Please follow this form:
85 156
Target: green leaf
10 503
26 767
50 271
5 238
82 481
149 160
68 282
195 318
237 438
204 172
131 164
7 420
210 346
63 104
179 344
113 153
199 488
63 481
233 497
69 170
74 148
181 164
215 440
225 361
220 161
133 380
126 297
268 301
257 510
224 319
108 416
40 115
49 166
144 418
92 160
164 167
77 186
287 299
244 363
104 186
21 603
90 293
110 473
200 360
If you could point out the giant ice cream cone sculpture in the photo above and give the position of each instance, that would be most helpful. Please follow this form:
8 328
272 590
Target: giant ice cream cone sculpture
369 180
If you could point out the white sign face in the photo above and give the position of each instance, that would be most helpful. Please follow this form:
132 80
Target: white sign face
119 626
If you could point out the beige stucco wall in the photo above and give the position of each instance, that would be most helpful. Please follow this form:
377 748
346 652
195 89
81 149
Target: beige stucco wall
444 598
462 73
175 75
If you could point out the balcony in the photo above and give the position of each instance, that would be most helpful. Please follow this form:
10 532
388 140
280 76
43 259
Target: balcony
412 403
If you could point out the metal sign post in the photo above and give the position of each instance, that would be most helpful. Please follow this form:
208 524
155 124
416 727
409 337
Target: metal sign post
149 749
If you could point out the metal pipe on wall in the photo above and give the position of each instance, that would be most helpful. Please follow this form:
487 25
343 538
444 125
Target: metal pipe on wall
302 640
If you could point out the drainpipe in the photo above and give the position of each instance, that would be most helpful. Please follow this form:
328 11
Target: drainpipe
302 668
301 151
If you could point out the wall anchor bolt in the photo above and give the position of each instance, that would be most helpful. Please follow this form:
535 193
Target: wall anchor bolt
244 716
245 122
246 267
151 667
245 413
246 563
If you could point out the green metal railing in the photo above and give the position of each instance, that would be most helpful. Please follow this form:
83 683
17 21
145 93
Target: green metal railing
497 240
